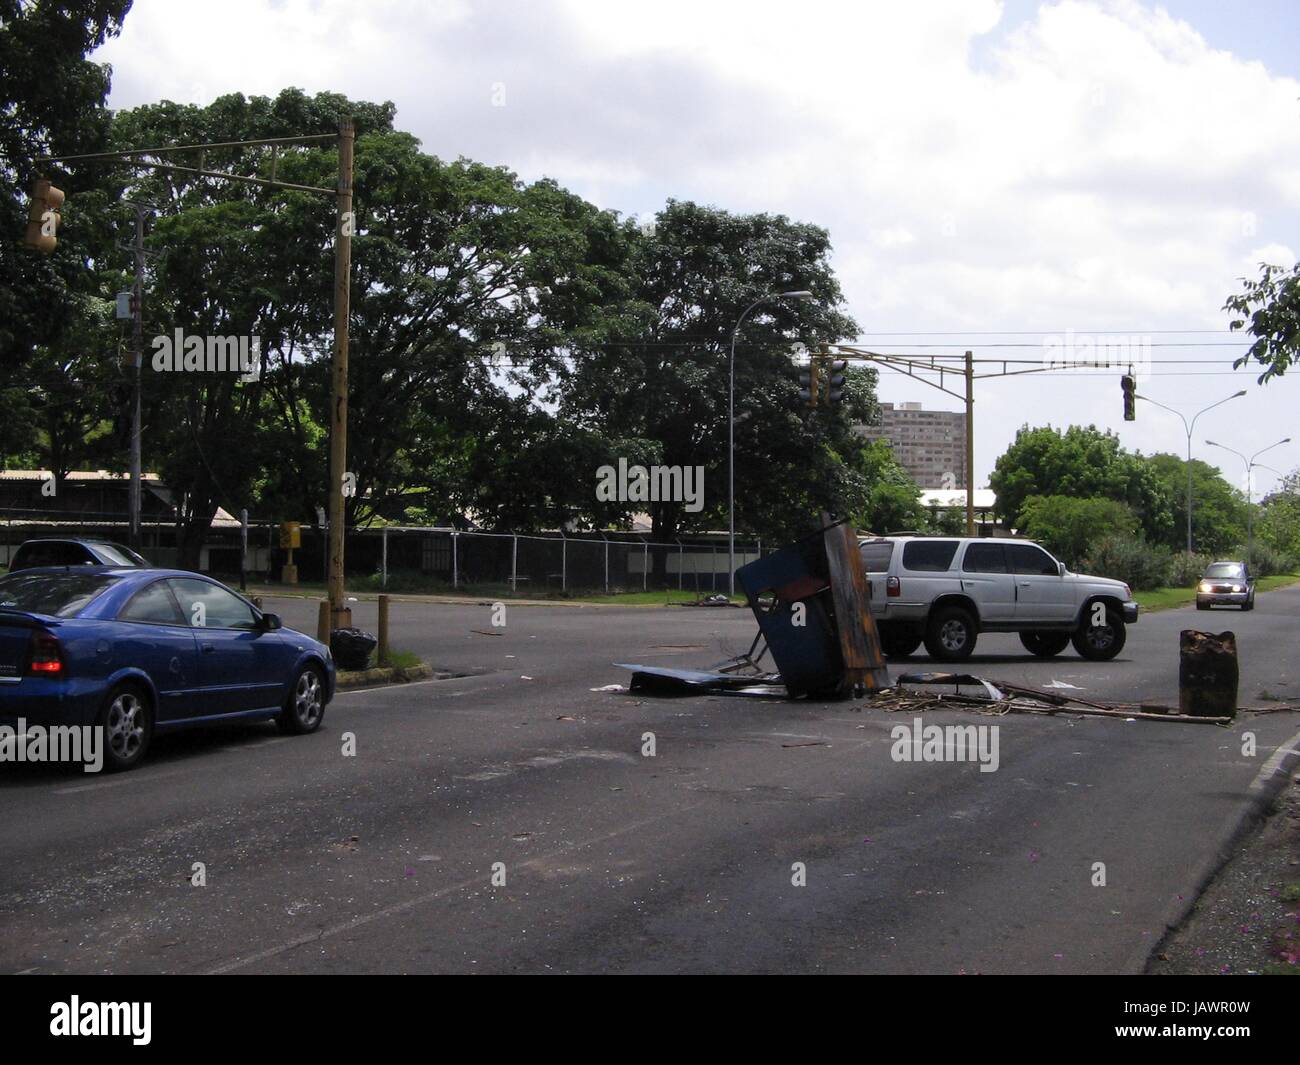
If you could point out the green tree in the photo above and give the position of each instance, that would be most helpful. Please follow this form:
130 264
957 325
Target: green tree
1277 523
1082 462
1218 509
659 371
1072 528
51 103
888 500
1269 310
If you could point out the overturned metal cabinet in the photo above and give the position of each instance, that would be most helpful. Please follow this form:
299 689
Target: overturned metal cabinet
813 608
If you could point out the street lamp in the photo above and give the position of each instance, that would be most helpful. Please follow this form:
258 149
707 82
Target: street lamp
1250 465
1189 428
799 294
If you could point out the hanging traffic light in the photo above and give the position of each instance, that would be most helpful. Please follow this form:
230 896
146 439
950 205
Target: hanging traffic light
43 216
835 380
1129 385
808 383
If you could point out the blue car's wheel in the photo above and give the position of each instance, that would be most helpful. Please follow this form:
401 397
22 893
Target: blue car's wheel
127 723
305 707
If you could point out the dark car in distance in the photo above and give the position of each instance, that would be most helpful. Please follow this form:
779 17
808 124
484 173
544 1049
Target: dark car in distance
1226 583
135 650
72 551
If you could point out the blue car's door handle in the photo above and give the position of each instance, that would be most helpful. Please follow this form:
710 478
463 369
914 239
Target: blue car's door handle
206 648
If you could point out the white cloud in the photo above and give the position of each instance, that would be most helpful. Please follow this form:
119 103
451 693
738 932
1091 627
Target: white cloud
1099 168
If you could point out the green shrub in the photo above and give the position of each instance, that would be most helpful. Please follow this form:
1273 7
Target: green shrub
1266 561
400 580
1133 561
1069 527
1186 570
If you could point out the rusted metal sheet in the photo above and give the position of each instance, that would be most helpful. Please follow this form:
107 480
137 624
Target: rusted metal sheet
810 601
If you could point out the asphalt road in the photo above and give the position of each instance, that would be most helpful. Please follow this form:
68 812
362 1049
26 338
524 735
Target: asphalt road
317 861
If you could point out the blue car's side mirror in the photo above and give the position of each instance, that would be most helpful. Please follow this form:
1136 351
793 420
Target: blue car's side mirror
271 621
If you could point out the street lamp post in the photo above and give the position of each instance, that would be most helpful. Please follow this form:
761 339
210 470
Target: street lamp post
1250 465
800 294
1189 426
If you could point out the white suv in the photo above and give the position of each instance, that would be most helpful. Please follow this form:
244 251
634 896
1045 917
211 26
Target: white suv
946 590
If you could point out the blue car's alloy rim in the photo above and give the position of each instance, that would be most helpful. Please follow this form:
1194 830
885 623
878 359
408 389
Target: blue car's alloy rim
124 725
307 698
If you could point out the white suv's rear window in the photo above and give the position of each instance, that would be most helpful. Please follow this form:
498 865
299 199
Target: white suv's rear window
932 556
876 555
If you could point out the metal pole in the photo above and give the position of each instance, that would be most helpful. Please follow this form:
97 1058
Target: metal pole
606 539
681 564
243 549
455 562
514 563
137 359
340 615
645 565
1189 487
970 445
564 562
384 554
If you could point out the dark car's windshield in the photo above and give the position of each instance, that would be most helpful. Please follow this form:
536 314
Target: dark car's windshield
61 595
117 555
1226 569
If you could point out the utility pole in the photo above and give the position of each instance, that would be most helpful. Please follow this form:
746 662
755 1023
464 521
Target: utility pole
340 615
137 358
970 444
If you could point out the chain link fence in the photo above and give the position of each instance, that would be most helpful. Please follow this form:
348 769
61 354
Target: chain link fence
421 559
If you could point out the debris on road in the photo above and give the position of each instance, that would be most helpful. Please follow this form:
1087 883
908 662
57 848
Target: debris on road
484 632
1207 673
1000 698
811 603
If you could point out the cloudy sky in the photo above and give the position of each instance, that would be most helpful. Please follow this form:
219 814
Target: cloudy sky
1014 178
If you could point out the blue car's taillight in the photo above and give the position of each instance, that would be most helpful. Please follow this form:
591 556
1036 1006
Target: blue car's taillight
46 658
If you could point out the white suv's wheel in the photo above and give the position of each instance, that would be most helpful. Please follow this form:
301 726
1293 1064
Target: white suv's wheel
950 636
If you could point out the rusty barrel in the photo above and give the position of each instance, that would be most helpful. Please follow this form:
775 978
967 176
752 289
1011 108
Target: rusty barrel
1207 674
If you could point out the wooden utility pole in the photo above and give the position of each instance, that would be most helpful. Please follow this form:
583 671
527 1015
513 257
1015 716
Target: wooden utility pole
340 615
137 358
970 445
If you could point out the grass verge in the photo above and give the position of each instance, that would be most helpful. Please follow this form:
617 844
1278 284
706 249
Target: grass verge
1167 598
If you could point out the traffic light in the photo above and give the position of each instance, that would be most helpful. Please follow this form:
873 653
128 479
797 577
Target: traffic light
808 383
835 380
43 216
1130 397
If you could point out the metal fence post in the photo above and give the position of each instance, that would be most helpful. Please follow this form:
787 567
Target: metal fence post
681 563
606 539
455 562
645 565
564 562
514 564
713 566
384 554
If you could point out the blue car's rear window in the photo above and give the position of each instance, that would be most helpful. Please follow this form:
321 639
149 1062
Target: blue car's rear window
60 595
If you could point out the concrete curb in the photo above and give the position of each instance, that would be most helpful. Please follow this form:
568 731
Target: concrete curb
1264 789
364 678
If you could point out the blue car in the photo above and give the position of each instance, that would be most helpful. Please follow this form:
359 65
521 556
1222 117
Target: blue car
138 650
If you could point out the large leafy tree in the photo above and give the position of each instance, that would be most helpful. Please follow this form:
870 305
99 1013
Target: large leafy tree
1083 462
660 371
51 103
1218 509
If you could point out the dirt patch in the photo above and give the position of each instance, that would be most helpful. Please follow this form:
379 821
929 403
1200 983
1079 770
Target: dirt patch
1248 919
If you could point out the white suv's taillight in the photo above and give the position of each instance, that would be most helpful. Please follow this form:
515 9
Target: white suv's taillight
893 588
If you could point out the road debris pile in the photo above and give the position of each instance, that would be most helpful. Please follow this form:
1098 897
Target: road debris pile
998 698
811 602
